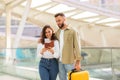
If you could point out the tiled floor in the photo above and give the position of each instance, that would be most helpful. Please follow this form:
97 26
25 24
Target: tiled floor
9 77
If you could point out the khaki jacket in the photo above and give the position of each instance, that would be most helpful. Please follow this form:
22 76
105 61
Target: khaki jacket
71 47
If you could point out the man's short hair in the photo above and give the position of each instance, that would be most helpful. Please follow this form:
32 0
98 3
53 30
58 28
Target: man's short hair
59 14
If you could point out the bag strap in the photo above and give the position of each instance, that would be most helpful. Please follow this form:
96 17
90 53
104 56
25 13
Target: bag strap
72 71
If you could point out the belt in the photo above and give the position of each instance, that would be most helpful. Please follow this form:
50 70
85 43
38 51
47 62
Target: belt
48 58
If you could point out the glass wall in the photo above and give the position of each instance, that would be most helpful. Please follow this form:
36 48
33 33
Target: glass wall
102 63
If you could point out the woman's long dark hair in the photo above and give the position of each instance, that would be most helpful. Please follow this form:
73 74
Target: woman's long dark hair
43 36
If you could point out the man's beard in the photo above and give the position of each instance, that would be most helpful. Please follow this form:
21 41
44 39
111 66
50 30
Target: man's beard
62 25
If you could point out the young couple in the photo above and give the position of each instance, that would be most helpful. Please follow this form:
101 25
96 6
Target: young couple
59 52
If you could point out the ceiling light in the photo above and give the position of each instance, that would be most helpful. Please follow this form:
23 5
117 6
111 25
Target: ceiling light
59 8
113 24
84 15
36 3
91 19
107 20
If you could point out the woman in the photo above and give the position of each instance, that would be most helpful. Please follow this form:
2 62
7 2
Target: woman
48 65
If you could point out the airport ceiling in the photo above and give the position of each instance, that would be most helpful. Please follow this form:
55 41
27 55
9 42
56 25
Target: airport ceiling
98 12
102 15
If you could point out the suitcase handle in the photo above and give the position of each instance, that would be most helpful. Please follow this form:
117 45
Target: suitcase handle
74 70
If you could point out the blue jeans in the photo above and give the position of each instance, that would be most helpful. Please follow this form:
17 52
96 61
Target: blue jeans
63 70
48 69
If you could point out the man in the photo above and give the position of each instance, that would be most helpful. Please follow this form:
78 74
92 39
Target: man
69 47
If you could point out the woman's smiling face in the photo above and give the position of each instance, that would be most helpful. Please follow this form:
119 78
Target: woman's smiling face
48 33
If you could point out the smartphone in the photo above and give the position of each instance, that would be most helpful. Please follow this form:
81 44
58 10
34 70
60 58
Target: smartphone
47 40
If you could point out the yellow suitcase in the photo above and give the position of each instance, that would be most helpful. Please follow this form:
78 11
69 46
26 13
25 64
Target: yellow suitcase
78 75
